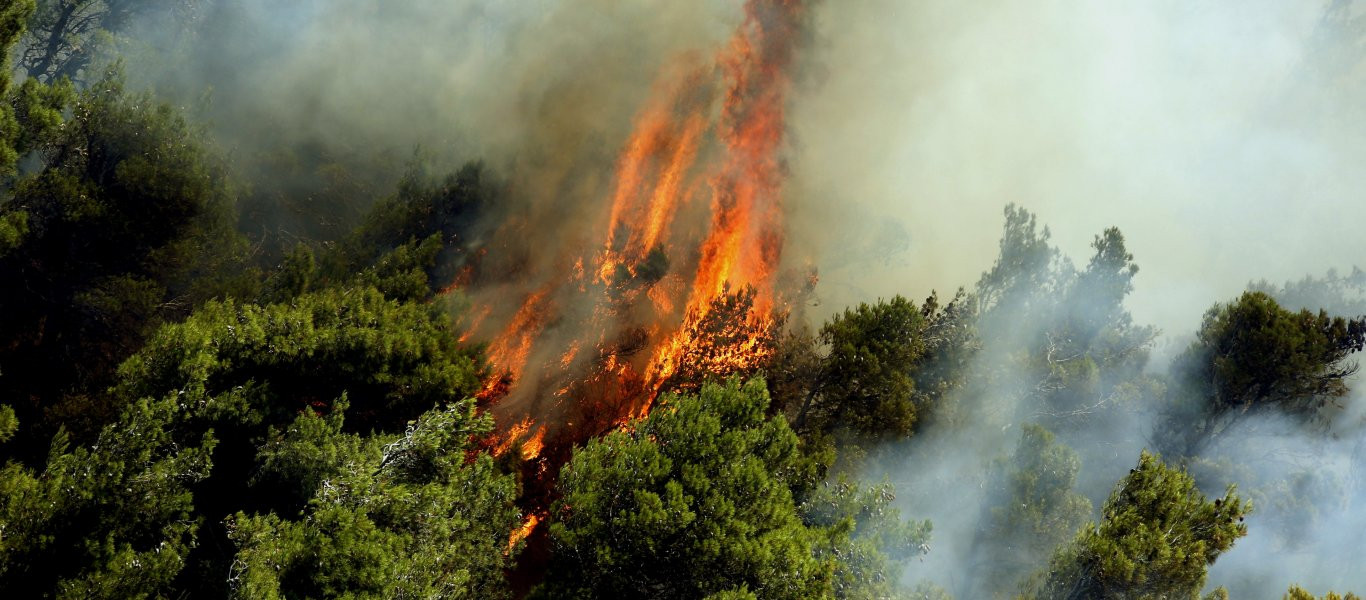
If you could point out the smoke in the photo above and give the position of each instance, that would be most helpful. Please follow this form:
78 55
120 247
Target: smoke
324 103
1222 138
490 79
641 145
1309 499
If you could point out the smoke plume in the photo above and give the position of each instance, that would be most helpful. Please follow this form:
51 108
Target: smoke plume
662 155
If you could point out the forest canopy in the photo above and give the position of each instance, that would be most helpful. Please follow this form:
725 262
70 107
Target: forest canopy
250 348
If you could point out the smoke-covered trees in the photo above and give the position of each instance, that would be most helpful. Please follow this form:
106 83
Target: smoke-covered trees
1093 348
1157 537
1037 511
65 37
1024 275
1057 338
700 498
1253 355
1339 294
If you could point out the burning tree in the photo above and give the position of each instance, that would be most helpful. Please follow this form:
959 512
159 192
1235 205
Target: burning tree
678 280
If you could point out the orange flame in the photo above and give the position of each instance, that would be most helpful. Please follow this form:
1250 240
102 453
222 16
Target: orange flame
532 447
510 350
521 533
745 240
608 336
511 437
665 146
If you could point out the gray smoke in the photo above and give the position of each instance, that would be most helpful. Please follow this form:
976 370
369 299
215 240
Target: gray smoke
1224 139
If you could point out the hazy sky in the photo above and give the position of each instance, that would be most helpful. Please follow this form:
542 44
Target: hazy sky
1208 132
1223 138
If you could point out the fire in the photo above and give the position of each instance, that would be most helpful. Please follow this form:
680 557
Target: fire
532 447
509 352
512 436
746 231
521 533
678 279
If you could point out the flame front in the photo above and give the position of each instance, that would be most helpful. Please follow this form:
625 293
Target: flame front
691 225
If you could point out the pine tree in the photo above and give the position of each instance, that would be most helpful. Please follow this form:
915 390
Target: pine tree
698 499
1157 538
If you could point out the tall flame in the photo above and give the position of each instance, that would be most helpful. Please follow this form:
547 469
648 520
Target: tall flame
692 221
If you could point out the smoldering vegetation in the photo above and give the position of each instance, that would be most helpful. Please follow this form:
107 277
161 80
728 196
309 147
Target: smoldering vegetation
1215 145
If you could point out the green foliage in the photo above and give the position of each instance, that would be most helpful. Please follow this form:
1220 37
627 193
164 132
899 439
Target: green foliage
125 225
873 373
403 273
1298 593
1252 355
294 276
951 344
114 520
244 369
13 229
414 243
9 423
697 499
1037 512
273 383
250 364
1252 352
1156 540
692 501
392 517
858 529
13 15
38 108
866 384
794 375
